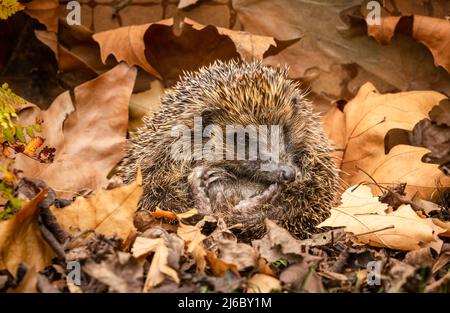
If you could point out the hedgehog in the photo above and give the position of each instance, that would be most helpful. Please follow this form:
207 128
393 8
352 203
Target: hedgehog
284 172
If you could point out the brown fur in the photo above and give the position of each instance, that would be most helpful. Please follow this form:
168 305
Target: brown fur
237 94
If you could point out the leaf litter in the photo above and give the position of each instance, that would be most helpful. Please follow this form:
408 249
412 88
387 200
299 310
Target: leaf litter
391 146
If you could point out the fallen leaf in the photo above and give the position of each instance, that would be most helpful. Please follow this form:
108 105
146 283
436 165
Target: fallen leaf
159 267
429 134
108 212
398 275
28 282
443 259
277 241
420 258
302 277
367 119
89 136
45 11
219 267
439 285
337 57
443 225
432 32
242 255
158 213
21 239
185 3
121 273
193 237
155 48
261 283
264 268
362 215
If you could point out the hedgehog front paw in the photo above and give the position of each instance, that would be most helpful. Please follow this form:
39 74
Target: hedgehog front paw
257 202
198 189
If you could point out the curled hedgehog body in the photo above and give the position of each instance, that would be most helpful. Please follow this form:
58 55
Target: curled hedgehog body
297 191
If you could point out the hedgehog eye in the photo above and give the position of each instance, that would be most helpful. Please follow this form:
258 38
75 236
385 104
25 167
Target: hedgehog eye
207 117
294 101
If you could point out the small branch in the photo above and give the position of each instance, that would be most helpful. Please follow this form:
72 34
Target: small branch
375 231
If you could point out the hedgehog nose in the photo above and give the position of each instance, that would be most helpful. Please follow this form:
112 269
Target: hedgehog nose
287 174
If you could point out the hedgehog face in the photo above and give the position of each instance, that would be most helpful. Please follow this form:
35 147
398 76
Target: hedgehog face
257 117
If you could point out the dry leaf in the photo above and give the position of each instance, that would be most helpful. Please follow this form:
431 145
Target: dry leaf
159 267
443 259
264 268
45 11
28 282
89 136
219 267
185 3
121 273
335 56
261 283
301 277
432 32
366 218
107 212
367 119
242 255
444 225
194 239
158 213
21 239
156 49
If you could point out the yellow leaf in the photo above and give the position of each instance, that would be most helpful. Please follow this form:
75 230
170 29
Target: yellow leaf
367 118
263 283
21 239
361 214
107 212
32 146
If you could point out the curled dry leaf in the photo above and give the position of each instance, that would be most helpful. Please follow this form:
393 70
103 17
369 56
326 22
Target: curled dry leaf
337 56
432 134
365 121
21 239
88 135
363 215
431 31
158 213
159 267
278 243
242 255
136 46
302 277
121 273
262 283
45 11
108 212
219 267
193 237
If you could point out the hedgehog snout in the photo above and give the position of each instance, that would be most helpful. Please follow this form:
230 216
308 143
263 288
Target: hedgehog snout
287 173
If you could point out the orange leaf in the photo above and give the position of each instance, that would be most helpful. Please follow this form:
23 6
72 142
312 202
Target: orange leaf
219 267
32 146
